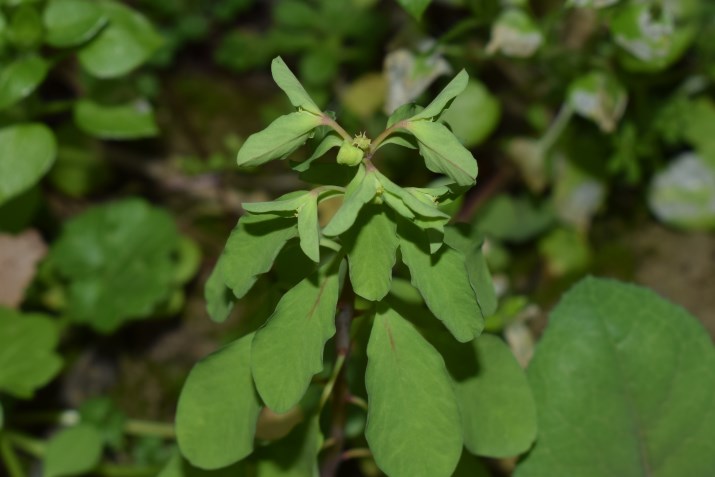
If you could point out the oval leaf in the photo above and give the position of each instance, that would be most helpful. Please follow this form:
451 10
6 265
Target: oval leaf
218 408
129 121
20 78
623 371
73 451
26 153
71 22
413 425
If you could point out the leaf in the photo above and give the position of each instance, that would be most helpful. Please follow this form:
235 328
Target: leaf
71 22
413 425
372 247
278 140
361 190
287 81
443 153
127 121
118 259
415 7
289 202
444 98
308 228
19 256
294 456
426 208
470 466
218 296
473 115
404 112
329 142
514 219
409 75
27 151
443 282
218 408
599 97
25 28
621 370
515 34
494 397
128 41
252 248
27 352
20 79
179 467
288 349
73 451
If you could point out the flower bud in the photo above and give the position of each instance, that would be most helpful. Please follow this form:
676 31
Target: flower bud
349 155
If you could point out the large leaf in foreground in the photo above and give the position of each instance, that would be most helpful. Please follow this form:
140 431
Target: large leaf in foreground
218 408
624 372
27 151
413 425
288 349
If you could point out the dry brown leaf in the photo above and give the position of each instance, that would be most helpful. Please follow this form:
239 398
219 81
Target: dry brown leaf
19 256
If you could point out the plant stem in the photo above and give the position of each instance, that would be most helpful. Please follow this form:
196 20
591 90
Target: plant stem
382 136
556 129
31 446
340 390
328 121
9 458
357 401
356 454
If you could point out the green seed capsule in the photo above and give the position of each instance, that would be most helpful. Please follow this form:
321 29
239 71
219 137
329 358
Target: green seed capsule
349 155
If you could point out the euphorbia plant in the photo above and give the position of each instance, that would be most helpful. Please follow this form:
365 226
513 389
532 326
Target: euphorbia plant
427 394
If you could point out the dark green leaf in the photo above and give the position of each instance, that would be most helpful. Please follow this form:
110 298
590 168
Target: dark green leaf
28 151
288 349
621 370
413 425
415 7
27 352
128 121
25 28
443 281
73 451
253 247
127 42
294 456
372 247
218 408
443 153
278 140
20 78
71 22
287 81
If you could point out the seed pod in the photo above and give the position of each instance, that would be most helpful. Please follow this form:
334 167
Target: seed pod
349 155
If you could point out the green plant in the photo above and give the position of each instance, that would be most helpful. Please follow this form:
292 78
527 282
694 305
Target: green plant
420 391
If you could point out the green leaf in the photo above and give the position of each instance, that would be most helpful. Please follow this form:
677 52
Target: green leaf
415 7
420 206
443 282
127 42
287 81
372 247
514 219
218 296
444 98
27 352
119 262
71 22
127 121
361 190
218 408
308 228
289 202
73 451
25 28
470 466
28 150
252 248
328 143
20 78
443 153
413 425
494 397
288 349
404 112
179 467
296 455
473 115
278 140
621 370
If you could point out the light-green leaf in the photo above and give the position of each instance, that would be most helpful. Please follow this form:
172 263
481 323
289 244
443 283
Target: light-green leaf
424 208
253 247
443 153
218 296
73 451
20 78
27 352
361 190
288 349
26 153
413 425
127 121
444 98
621 370
287 81
278 140
71 22
442 280
308 228
473 115
296 455
289 202
218 408
372 248
328 143
127 42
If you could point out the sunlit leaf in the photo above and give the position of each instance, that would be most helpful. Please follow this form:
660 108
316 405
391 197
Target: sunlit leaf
287 81
71 22
27 152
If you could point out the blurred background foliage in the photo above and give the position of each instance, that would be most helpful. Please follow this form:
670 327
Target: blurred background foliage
593 123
